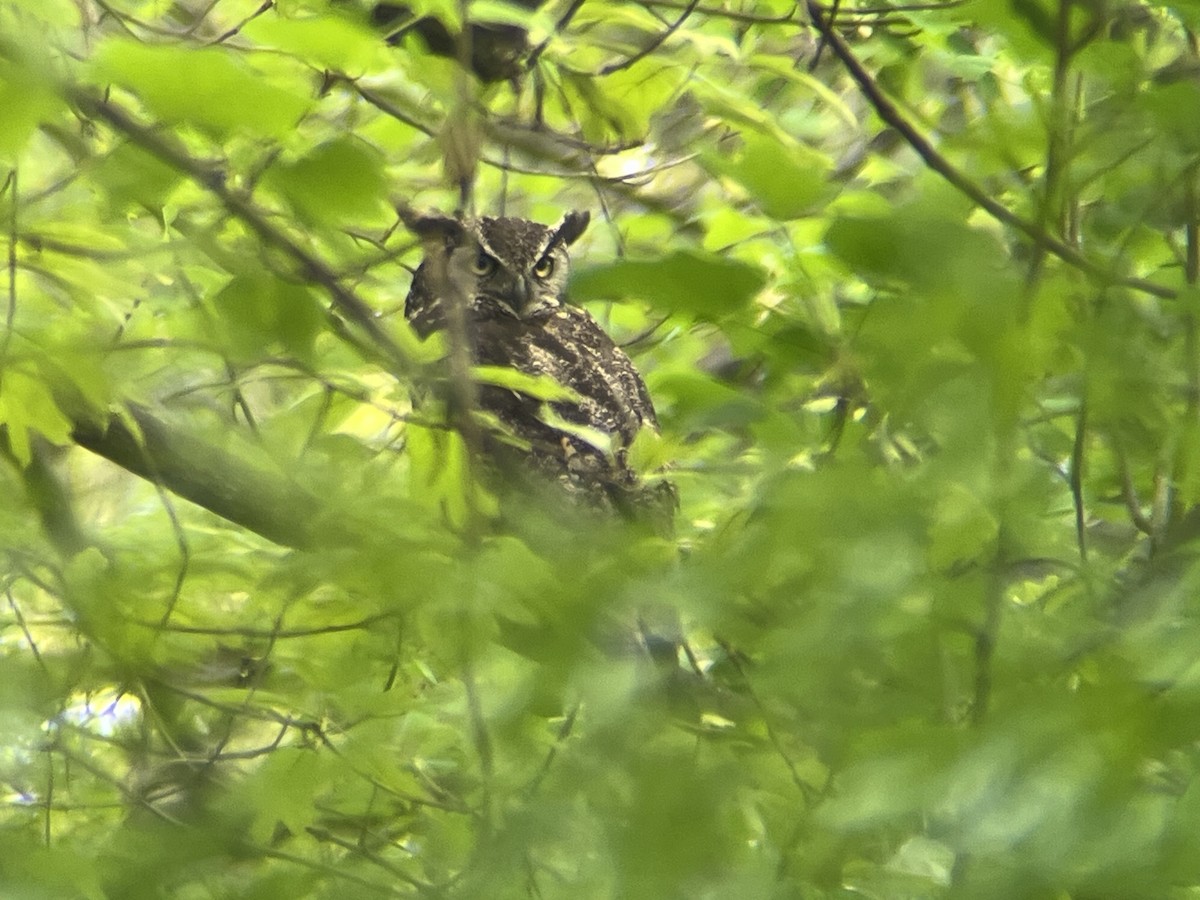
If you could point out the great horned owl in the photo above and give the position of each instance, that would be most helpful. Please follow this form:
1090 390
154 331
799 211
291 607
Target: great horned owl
511 275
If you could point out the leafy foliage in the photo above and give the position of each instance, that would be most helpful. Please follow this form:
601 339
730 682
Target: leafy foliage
915 290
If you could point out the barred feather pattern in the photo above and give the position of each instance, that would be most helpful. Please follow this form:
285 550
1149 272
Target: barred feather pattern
580 443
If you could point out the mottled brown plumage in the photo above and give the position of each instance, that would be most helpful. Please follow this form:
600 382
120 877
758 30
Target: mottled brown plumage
512 274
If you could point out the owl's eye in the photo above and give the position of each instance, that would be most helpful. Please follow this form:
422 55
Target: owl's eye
483 264
544 267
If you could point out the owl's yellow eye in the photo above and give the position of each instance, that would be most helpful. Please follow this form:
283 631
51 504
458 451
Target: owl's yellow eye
544 267
483 264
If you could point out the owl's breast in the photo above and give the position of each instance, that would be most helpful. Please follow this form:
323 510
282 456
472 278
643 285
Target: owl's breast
570 347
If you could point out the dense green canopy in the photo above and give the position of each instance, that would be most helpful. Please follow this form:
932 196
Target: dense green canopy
916 290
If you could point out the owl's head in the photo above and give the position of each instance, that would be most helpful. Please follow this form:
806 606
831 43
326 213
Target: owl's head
505 266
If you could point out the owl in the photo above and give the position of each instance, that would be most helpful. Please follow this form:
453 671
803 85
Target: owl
511 275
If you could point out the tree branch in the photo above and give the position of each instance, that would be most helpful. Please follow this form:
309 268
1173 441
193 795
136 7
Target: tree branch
247 492
659 40
345 301
890 113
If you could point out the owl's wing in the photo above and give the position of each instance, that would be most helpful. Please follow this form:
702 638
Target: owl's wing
581 442
571 348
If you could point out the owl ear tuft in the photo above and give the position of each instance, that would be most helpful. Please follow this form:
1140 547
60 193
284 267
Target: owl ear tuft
432 226
571 227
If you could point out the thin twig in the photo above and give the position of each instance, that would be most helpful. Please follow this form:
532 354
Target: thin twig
267 633
479 735
21 624
1075 479
167 150
727 14
985 642
735 659
559 27
263 7
1129 494
181 541
564 731
899 7
423 888
10 313
890 113
658 41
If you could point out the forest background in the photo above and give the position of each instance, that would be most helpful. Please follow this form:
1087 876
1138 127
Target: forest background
915 290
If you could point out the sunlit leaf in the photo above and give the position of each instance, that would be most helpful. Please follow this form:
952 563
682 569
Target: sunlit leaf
541 387
207 87
28 409
328 40
27 98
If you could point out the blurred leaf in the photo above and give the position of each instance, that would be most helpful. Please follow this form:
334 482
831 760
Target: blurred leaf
1167 104
684 281
448 12
283 792
258 311
29 869
28 98
540 387
601 440
511 13
649 453
786 181
132 177
930 249
700 400
62 13
962 529
899 675
331 41
27 408
340 181
441 476
207 87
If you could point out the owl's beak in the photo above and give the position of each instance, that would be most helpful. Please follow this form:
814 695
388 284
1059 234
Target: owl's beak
520 295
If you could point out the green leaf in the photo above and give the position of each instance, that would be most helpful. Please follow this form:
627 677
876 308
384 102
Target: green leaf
701 401
963 529
27 100
512 13
540 387
449 12
340 181
27 407
1170 104
649 452
132 177
685 281
601 440
786 180
33 870
440 475
62 13
931 249
284 791
209 87
257 312
329 41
